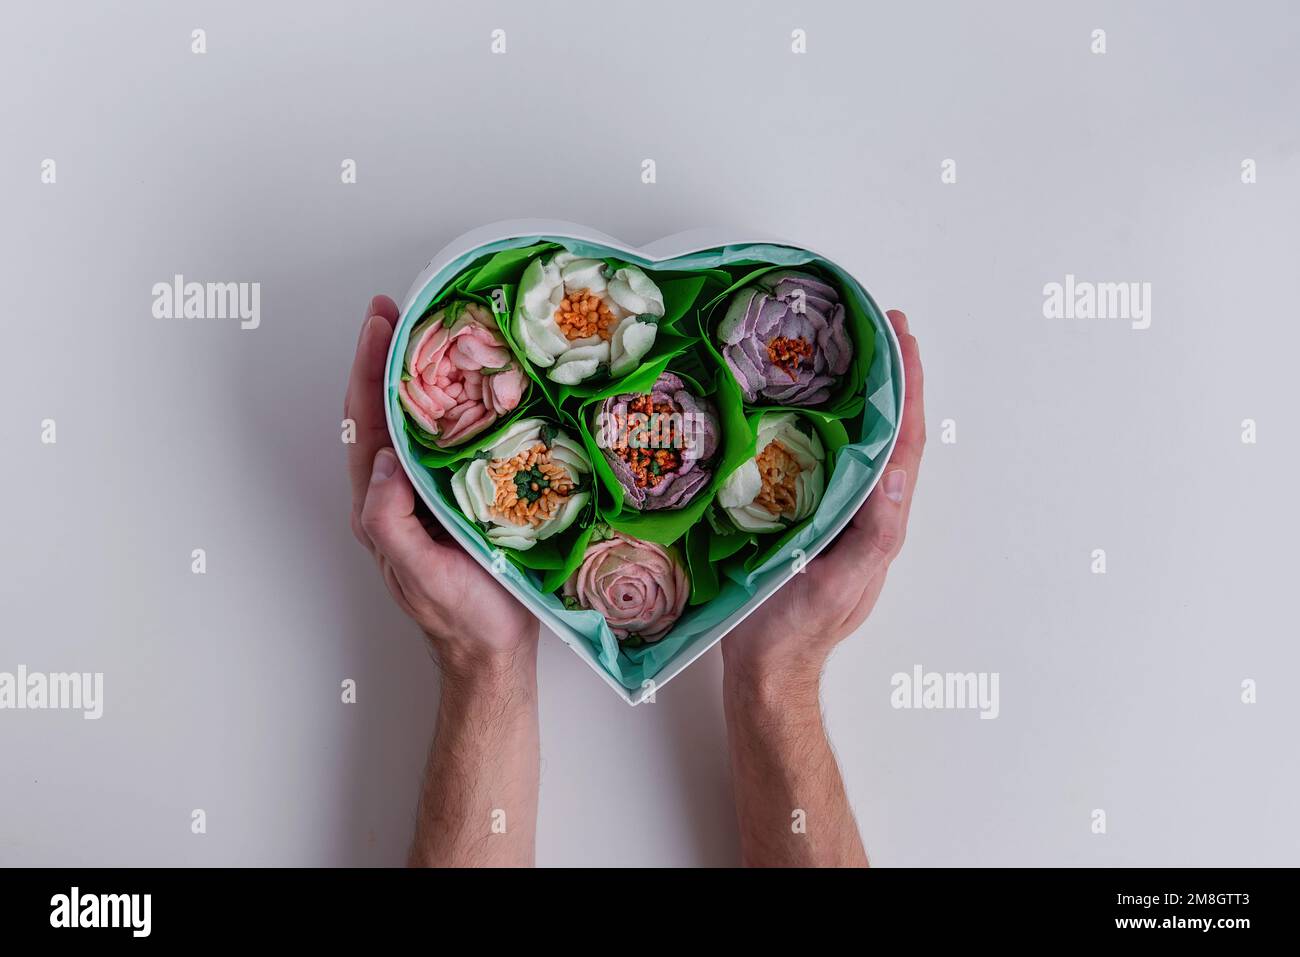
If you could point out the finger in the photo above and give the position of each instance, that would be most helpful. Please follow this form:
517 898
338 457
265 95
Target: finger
385 309
381 306
365 405
911 431
877 530
912 428
875 533
385 306
388 518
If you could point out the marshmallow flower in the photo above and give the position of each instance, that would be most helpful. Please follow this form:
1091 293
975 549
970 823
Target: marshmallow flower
460 376
783 483
571 319
784 339
658 444
639 587
527 487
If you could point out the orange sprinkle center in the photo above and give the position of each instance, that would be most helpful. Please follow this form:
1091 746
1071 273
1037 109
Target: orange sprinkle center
788 354
649 465
538 504
583 314
779 470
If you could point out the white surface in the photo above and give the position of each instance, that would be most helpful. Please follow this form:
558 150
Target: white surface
222 691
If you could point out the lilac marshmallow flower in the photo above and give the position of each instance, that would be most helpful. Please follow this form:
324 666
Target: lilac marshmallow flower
659 444
785 340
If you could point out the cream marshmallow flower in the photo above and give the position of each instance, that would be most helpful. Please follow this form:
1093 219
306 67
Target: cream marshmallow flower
527 487
783 483
571 318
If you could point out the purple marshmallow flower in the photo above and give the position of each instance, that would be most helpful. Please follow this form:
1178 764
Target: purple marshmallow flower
659 444
784 339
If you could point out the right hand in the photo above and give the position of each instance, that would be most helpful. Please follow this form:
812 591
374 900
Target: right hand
468 615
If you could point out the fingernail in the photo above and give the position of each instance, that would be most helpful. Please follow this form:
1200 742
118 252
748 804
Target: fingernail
385 463
893 484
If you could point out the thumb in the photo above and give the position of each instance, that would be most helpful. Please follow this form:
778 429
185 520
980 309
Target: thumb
388 515
875 534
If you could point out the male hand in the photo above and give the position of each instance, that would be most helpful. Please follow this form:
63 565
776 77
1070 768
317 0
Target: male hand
470 618
791 634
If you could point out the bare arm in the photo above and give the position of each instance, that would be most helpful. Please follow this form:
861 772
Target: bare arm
478 804
790 798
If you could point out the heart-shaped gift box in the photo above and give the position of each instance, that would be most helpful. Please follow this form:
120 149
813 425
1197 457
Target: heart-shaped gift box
858 457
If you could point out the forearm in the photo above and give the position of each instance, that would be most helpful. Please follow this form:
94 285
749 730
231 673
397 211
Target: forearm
790 799
478 803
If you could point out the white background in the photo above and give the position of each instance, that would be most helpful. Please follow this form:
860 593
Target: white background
1118 691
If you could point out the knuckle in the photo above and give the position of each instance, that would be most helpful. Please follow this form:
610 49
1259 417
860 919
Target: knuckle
887 539
907 452
371 523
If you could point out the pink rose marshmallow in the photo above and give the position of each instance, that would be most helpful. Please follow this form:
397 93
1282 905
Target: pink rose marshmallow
460 375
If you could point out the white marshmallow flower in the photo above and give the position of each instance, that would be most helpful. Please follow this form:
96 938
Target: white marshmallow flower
780 485
528 486
571 318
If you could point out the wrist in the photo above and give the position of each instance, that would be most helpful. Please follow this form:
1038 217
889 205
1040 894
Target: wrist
771 685
472 667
